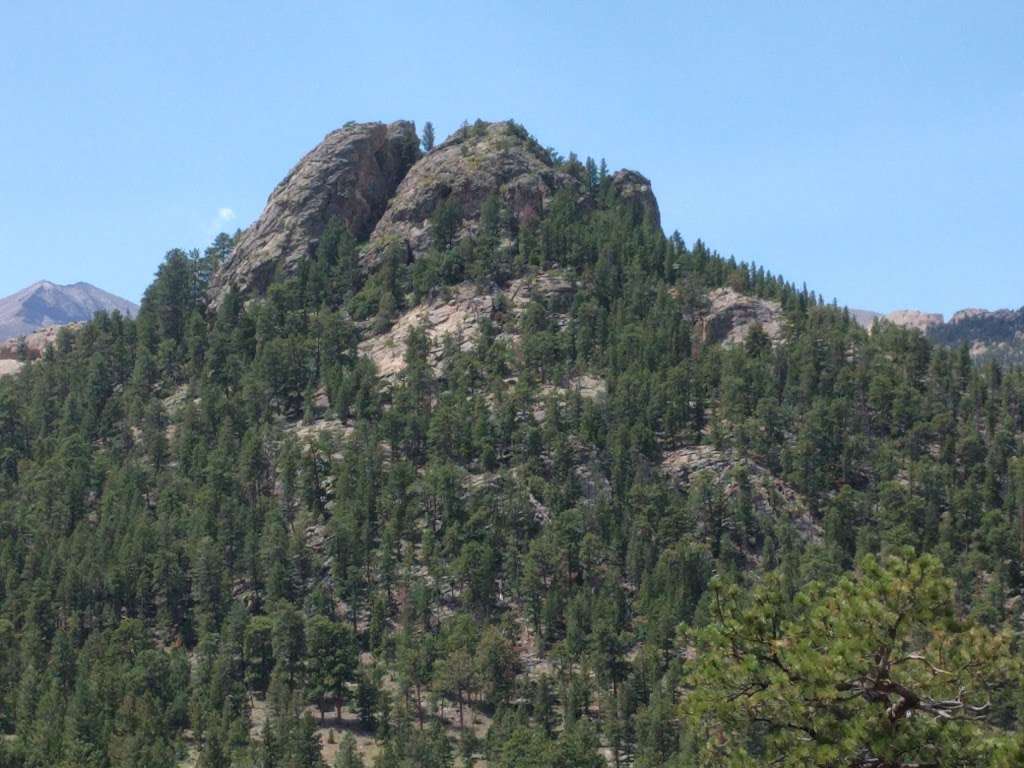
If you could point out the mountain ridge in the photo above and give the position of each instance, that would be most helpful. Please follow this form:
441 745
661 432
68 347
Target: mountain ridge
989 334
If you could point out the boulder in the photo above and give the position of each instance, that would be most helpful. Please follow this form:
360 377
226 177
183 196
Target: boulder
731 316
9 367
15 352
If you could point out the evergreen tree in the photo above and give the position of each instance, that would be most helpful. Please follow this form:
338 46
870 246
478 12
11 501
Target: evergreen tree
876 670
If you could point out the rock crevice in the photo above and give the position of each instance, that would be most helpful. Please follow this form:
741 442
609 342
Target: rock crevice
474 163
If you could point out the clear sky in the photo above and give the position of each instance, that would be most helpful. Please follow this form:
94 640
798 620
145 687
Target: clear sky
873 150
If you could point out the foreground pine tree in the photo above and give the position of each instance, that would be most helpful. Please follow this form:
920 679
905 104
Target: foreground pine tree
877 671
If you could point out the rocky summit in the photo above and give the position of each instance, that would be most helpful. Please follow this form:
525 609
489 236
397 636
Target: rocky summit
372 178
473 163
478 161
352 174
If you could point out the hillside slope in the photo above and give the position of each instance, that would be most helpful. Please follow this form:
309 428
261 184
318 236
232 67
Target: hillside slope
989 335
502 476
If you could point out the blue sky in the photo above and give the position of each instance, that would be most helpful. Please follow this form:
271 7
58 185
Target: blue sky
873 150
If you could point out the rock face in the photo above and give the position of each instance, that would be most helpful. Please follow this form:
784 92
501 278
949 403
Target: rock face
469 166
15 352
636 190
44 303
904 318
458 315
351 175
731 316
994 317
551 287
371 177
33 345
912 318
968 314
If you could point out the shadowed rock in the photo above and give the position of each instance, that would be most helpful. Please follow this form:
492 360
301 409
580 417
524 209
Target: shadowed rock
350 175
635 190
472 164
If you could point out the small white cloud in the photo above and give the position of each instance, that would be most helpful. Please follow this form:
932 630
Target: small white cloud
225 214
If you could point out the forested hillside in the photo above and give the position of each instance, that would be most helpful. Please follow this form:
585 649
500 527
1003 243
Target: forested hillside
529 484
997 336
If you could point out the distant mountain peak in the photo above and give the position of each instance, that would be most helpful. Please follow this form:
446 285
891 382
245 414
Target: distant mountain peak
45 303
